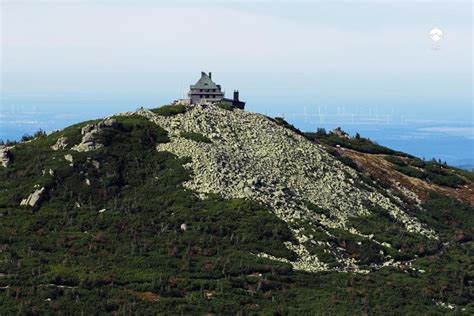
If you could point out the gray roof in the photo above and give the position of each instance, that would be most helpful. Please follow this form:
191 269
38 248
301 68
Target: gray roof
204 83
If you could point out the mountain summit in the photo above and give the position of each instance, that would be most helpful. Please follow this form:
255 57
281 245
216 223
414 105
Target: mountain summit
212 209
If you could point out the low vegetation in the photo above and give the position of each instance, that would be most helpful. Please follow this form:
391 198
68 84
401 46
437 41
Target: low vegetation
117 233
282 122
197 137
357 143
170 110
27 137
344 159
431 171
225 106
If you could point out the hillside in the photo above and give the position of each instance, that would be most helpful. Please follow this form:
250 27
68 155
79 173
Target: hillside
212 209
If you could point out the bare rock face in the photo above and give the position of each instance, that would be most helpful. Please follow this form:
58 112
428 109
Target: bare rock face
4 156
88 141
34 198
61 143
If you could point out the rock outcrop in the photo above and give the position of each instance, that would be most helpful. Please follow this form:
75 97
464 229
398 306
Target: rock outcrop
88 141
4 156
69 158
34 198
61 143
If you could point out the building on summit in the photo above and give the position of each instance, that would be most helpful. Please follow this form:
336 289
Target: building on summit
206 90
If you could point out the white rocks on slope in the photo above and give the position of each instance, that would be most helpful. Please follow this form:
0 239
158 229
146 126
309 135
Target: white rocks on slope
252 157
68 157
34 198
61 143
4 156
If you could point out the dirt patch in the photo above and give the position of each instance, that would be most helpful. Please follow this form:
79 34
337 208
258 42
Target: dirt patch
146 296
382 170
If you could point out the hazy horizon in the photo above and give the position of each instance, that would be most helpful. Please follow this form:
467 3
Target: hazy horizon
362 65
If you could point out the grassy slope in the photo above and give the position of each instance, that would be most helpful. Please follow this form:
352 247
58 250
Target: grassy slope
134 256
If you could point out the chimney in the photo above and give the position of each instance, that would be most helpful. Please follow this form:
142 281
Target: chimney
203 73
210 75
236 95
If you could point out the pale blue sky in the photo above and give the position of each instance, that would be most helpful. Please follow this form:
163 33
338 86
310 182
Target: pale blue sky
105 56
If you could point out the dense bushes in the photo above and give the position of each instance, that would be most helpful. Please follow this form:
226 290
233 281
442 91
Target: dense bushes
197 137
357 143
156 248
170 110
281 121
448 216
225 106
385 228
344 159
410 171
428 171
138 242
396 160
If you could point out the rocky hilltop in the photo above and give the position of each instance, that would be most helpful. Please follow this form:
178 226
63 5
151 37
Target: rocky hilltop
250 156
212 209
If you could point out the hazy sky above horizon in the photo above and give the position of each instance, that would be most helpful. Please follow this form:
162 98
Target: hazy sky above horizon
281 55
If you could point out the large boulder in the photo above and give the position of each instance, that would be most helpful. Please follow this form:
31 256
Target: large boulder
61 143
34 198
68 157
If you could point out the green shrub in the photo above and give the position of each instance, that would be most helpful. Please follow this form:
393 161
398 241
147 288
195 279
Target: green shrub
385 228
317 209
396 160
282 122
226 106
344 159
410 171
358 144
37 134
417 163
448 180
197 137
448 216
465 173
436 168
348 162
171 110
